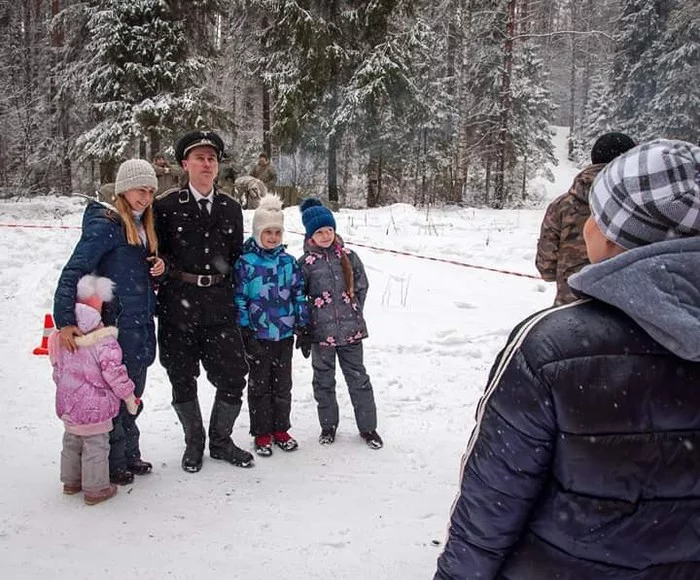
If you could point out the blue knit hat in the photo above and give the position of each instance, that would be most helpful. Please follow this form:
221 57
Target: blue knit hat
314 216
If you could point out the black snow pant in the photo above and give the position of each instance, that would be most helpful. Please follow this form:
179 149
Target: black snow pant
360 388
270 387
220 350
124 447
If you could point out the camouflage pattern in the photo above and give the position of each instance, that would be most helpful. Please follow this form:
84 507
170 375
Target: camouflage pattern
265 173
248 191
168 176
561 250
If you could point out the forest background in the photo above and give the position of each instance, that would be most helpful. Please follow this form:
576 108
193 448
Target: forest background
363 102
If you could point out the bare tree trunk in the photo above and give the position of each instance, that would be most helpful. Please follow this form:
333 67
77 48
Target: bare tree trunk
499 178
107 170
267 144
332 168
373 171
572 80
423 179
487 180
155 143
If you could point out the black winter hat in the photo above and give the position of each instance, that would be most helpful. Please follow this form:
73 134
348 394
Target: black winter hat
609 146
197 139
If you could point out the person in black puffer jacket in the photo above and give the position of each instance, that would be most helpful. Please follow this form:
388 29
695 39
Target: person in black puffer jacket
585 460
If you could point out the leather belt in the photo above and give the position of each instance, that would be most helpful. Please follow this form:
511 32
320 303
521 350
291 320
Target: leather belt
201 280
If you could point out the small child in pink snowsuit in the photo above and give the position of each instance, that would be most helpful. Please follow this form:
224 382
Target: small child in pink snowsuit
89 385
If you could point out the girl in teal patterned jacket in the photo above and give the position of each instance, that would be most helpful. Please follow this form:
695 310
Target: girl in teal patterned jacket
271 305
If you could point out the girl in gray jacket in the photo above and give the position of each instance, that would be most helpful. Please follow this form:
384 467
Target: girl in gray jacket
336 286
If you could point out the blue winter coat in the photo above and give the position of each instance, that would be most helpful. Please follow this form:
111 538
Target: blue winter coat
104 250
585 461
269 294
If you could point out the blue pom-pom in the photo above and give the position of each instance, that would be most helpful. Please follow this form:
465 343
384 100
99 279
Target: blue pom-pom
309 202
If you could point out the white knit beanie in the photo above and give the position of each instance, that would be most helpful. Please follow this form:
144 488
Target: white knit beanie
269 214
133 174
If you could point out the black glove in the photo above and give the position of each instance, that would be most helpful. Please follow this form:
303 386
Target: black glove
303 342
253 349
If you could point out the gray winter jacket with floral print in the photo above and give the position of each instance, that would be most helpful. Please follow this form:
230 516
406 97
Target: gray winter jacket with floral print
335 317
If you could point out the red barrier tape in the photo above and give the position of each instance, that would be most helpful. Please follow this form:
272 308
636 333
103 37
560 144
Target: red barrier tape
432 259
40 227
376 248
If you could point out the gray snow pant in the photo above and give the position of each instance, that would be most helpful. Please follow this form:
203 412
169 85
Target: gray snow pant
359 385
84 461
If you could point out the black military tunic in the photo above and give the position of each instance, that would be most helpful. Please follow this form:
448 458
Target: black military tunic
196 313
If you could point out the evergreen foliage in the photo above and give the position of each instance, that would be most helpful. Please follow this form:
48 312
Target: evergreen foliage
371 102
140 79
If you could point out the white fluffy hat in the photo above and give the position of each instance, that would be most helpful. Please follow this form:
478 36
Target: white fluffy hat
269 214
94 290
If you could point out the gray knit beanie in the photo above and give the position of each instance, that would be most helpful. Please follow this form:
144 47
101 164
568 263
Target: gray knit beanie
133 174
649 194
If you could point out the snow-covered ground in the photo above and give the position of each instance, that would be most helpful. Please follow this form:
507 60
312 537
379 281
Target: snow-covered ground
341 511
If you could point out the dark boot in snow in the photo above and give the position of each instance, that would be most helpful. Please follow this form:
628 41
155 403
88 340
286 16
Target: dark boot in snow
327 436
221 446
121 477
140 467
373 440
191 418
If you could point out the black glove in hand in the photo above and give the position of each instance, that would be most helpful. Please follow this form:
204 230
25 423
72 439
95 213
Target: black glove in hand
303 343
253 349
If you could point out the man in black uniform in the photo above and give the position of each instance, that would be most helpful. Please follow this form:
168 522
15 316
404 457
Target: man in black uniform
200 234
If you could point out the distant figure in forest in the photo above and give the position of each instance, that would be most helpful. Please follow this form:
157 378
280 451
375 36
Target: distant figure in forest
249 191
265 171
168 175
561 250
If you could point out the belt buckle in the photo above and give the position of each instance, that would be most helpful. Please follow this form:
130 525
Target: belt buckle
204 281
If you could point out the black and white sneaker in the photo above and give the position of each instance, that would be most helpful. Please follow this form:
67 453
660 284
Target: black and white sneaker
263 445
327 436
285 441
373 440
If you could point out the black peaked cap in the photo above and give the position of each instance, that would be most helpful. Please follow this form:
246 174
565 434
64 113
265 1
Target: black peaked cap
196 139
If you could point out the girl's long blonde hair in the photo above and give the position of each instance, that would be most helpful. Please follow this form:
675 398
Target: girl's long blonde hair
132 234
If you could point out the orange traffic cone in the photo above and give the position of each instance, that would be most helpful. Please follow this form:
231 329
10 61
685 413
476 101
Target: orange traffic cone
48 329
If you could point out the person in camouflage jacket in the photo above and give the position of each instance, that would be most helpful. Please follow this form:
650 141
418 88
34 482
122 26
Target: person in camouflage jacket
561 251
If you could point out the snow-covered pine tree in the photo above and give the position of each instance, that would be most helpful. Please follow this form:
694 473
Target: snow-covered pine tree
634 76
529 129
597 118
675 109
141 81
388 95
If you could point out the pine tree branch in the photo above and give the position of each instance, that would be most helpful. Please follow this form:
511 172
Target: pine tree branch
561 32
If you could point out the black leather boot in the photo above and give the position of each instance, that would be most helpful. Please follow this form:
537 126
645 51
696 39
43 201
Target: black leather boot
221 446
140 467
190 416
121 477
